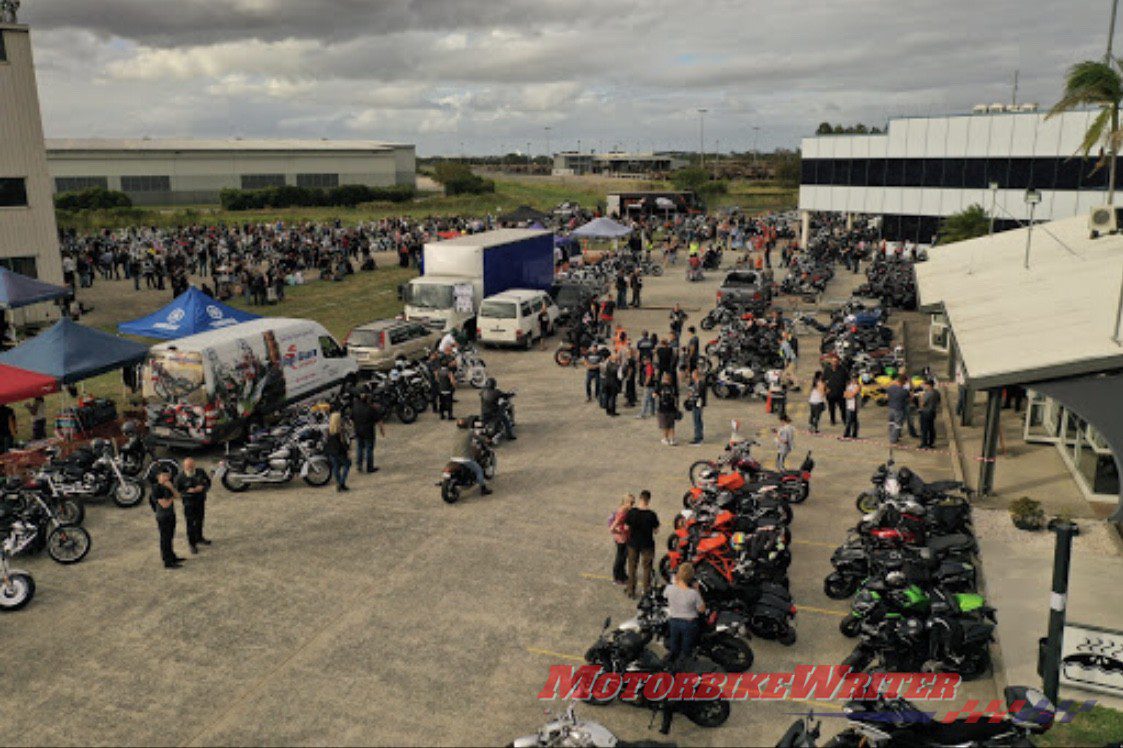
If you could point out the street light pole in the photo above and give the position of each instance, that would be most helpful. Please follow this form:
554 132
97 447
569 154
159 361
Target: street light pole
1111 32
993 206
1033 197
702 136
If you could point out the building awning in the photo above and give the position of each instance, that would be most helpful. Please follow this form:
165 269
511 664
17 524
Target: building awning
1013 325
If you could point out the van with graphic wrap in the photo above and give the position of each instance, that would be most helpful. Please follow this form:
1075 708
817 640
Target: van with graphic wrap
206 388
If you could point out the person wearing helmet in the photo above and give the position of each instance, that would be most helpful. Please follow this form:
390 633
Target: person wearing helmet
491 411
467 448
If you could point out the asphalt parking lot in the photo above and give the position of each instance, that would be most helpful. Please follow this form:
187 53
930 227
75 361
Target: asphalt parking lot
384 616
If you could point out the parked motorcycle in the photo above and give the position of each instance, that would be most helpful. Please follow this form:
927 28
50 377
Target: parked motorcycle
91 472
30 525
17 587
276 461
723 637
621 651
569 731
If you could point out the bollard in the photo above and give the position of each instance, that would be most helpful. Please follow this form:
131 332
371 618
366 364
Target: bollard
1058 601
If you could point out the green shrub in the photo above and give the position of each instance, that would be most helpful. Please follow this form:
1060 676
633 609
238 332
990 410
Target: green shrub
288 196
92 198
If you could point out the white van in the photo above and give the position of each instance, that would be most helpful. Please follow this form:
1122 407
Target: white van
205 388
511 317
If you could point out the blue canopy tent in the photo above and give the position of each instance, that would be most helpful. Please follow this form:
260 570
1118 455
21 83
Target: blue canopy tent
190 312
70 352
601 228
18 290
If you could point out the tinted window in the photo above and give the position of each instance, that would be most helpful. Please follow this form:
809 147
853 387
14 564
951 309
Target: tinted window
975 173
74 184
1045 172
331 348
22 265
13 192
259 181
876 172
933 172
1021 173
146 184
320 181
914 172
859 176
3 51
894 172
399 335
998 170
953 173
365 338
807 171
498 310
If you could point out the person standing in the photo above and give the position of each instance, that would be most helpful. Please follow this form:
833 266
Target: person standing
335 448
365 416
619 529
637 287
785 441
593 360
642 524
37 409
929 406
698 395
684 605
817 401
193 485
852 396
611 385
8 428
667 399
678 319
693 348
897 401
446 388
162 500
649 380
836 380
621 290
543 326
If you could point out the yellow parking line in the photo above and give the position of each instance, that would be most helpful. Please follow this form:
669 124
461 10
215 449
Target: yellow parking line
559 655
587 575
815 543
822 611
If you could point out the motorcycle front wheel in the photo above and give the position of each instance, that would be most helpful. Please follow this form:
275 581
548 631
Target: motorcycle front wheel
707 323
563 357
697 469
450 492
866 502
656 270
406 413
128 493
18 591
70 512
709 713
839 587
478 377
233 483
722 390
319 473
68 544
850 626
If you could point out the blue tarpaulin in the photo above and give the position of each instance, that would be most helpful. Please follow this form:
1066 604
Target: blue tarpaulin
602 228
18 290
70 352
190 312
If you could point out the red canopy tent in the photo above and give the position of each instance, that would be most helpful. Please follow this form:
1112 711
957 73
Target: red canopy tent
21 384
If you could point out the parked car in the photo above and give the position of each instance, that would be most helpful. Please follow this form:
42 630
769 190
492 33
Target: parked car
376 345
511 317
744 285
571 297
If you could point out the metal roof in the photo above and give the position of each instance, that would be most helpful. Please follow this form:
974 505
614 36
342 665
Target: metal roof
491 238
1014 325
216 144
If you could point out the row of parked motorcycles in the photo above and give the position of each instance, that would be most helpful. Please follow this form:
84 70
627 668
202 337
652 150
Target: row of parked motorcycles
734 529
891 280
910 566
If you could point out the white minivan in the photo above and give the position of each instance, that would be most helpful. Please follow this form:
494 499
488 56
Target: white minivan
511 317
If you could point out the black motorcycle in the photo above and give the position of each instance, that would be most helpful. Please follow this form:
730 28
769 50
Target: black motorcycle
30 526
625 651
91 472
458 477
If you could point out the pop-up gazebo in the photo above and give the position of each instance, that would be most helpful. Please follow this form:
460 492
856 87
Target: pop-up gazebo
189 313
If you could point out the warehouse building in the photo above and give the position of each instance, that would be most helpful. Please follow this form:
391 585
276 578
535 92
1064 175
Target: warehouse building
616 163
926 168
28 235
193 172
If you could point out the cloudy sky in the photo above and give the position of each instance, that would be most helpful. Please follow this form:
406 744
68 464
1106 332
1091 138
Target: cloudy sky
490 76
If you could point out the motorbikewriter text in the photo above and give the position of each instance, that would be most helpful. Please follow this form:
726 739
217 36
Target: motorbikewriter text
822 682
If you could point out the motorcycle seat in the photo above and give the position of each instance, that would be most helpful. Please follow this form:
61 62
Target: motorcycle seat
945 543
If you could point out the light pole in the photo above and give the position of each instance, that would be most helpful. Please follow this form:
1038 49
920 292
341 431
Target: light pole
1111 32
756 139
993 206
702 135
548 128
1033 197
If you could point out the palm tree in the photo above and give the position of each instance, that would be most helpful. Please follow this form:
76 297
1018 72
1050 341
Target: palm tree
1092 83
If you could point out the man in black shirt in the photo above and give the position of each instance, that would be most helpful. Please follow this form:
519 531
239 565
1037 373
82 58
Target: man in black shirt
642 524
162 500
364 416
7 428
193 485
611 384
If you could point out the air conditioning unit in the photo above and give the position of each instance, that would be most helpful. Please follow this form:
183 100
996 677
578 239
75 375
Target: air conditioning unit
979 109
1104 219
997 107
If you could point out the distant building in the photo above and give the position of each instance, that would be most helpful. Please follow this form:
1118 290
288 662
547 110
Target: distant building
616 164
193 172
924 169
28 234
